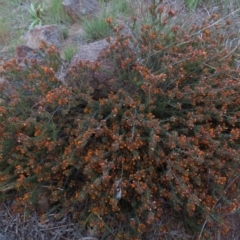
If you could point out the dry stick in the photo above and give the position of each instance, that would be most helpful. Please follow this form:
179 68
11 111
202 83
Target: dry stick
105 225
61 226
199 237
7 187
9 214
89 238
230 52
16 228
216 22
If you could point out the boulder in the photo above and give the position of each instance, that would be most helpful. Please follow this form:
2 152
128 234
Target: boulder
50 34
78 9
24 53
89 54
106 78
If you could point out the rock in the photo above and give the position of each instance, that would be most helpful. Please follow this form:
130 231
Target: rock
50 34
24 53
77 9
108 76
89 52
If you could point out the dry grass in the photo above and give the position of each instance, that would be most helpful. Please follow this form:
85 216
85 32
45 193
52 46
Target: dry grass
24 226
4 33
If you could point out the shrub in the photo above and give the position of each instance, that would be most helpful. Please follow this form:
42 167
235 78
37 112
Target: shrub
169 142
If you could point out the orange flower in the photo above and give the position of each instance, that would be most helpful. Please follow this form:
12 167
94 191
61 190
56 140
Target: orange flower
207 32
109 20
37 133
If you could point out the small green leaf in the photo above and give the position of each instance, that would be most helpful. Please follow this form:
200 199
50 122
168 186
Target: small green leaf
32 9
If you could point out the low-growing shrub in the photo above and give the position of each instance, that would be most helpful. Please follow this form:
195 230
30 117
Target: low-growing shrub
172 144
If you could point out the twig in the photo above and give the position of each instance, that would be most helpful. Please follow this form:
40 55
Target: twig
200 235
66 225
181 43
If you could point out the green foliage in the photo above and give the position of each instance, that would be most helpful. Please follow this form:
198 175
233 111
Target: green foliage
165 142
96 28
65 33
36 12
69 51
192 4
55 13
119 7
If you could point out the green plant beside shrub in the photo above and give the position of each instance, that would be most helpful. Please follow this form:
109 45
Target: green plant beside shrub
36 12
69 52
96 28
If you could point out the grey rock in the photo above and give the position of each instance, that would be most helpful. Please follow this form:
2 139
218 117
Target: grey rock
89 52
77 9
50 34
107 77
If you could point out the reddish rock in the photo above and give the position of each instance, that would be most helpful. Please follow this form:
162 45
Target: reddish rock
24 53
